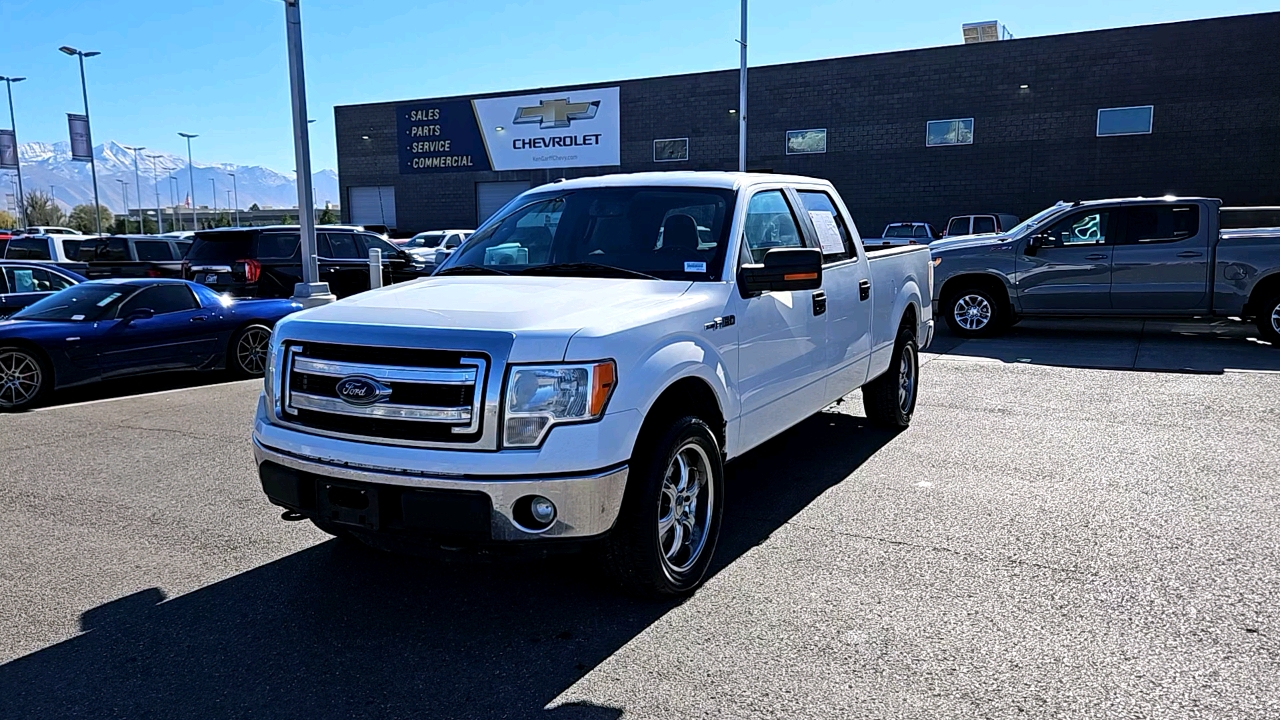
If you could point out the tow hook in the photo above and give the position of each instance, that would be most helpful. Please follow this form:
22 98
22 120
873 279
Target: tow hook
292 516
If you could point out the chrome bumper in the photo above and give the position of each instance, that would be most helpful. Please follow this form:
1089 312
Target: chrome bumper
585 505
928 335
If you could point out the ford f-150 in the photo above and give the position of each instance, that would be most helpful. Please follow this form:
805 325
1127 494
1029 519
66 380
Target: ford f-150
582 367
1136 257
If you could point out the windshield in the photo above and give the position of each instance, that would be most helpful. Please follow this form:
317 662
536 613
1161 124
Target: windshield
899 231
425 240
1035 220
89 301
670 233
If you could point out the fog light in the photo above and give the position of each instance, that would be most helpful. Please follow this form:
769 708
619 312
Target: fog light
543 510
534 513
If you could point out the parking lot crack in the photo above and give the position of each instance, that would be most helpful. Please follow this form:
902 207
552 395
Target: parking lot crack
173 431
951 551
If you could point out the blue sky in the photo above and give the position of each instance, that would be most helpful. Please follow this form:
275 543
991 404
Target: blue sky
219 68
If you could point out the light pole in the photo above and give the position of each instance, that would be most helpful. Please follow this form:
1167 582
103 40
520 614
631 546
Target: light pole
310 291
173 202
93 166
155 182
22 206
124 190
142 230
742 95
236 191
191 175
214 187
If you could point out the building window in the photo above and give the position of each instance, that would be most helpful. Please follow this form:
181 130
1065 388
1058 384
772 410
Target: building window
949 132
671 150
803 142
1125 120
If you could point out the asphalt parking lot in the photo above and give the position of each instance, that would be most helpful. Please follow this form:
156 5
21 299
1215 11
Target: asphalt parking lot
1080 523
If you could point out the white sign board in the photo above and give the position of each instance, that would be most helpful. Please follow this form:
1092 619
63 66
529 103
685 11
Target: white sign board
571 128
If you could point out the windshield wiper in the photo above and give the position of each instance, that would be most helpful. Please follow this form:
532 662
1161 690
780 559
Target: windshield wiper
597 269
471 270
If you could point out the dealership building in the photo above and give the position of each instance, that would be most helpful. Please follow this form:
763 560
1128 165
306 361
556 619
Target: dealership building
1008 126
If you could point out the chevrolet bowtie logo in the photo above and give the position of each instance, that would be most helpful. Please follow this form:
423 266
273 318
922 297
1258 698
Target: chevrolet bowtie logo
556 113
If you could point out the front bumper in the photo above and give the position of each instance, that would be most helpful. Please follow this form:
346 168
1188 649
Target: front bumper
586 505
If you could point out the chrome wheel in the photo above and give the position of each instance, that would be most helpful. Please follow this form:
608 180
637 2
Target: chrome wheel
251 350
685 508
20 378
1275 318
972 311
907 380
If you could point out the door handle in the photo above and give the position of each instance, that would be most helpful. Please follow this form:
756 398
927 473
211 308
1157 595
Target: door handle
1095 256
199 318
864 289
1190 254
819 303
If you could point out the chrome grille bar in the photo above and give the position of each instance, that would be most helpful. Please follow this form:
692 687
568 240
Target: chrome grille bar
434 376
306 401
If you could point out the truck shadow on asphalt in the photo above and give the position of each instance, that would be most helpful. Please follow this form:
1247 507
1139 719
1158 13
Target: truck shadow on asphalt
1169 346
335 631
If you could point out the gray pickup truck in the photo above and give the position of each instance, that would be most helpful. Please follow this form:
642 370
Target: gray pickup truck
1139 257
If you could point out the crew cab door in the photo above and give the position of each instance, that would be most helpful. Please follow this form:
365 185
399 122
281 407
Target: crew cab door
1067 268
1162 260
781 335
846 287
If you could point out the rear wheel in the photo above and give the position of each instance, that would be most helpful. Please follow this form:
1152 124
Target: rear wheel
890 400
666 532
974 311
247 355
1268 320
25 379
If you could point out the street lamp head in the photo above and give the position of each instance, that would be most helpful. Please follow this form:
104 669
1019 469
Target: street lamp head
91 53
188 135
11 79
69 50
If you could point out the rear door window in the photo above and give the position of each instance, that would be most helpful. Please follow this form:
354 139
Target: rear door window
958 226
819 206
278 246
27 280
984 224
1148 224
28 248
153 250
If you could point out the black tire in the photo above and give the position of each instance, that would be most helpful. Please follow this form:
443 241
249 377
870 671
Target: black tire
974 311
247 351
890 400
26 378
1268 320
645 557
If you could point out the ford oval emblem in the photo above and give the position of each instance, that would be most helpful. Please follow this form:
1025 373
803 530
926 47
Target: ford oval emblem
362 390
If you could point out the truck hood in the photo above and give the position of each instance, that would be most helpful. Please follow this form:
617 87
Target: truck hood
511 304
963 242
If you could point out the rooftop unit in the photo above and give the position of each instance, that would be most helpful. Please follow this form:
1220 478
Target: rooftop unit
981 32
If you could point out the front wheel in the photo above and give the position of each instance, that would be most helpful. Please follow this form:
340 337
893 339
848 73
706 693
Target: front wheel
25 379
666 533
973 312
890 400
1268 320
247 354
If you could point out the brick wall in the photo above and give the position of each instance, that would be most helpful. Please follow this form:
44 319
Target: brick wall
1215 85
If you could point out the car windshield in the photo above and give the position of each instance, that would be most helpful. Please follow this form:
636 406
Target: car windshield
669 233
899 231
85 302
1035 220
425 240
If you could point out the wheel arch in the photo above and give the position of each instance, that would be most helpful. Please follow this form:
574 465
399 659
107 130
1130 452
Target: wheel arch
687 395
991 281
1267 287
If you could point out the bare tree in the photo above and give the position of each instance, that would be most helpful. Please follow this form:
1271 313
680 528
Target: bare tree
42 210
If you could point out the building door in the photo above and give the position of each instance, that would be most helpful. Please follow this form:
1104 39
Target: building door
373 205
491 196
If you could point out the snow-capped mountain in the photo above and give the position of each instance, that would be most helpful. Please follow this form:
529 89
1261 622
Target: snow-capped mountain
49 165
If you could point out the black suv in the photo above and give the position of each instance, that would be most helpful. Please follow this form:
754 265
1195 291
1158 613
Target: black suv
267 261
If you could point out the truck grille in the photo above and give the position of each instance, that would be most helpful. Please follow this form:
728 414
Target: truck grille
424 396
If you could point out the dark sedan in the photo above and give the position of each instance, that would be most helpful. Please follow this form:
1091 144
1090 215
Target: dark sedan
105 329
24 283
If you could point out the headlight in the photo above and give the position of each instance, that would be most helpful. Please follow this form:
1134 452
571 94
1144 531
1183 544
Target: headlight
541 396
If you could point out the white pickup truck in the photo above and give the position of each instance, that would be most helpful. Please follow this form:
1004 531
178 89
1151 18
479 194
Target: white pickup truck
582 368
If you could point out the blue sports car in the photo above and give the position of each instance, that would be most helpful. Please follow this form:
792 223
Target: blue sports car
107 329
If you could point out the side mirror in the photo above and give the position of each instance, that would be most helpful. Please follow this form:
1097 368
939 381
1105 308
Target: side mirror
139 314
782 269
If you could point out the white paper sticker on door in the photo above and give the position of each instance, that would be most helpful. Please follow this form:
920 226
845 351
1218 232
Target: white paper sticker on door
828 232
